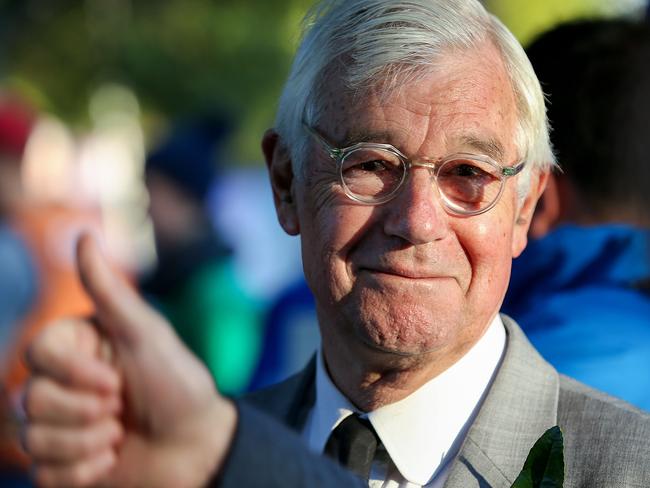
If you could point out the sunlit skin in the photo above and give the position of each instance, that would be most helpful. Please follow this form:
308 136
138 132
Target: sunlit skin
405 288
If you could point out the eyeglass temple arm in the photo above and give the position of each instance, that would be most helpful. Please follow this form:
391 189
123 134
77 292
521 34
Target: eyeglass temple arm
332 151
509 171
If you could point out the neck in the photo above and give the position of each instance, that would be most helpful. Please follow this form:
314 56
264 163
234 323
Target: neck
371 379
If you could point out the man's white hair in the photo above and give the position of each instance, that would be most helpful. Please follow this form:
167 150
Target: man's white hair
383 44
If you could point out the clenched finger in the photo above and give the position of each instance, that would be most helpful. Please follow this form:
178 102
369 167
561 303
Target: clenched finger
57 444
72 352
46 401
85 473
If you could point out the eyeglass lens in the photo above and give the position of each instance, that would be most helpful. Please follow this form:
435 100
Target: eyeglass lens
467 185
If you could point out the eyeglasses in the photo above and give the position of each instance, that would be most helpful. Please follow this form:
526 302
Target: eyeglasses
373 173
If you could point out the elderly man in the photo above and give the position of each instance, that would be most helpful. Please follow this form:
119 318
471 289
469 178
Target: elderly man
410 149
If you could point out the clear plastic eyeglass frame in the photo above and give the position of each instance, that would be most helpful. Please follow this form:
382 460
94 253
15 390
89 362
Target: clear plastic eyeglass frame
339 155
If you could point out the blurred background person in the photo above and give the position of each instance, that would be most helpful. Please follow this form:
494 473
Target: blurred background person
18 277
48 227
194 282
581 288
290 335
18 280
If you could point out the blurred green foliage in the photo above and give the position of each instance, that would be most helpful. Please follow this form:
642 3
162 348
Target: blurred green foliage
178 56
181 57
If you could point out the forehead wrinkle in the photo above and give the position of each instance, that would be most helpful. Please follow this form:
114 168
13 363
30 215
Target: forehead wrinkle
389 131
435 116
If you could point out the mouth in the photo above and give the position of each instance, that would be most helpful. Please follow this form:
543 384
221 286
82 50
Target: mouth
403 273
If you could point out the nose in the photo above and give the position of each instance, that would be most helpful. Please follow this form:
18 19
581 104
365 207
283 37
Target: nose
417 214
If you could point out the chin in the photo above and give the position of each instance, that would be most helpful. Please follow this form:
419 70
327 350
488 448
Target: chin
409 339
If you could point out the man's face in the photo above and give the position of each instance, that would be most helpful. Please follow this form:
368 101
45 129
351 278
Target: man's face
406 276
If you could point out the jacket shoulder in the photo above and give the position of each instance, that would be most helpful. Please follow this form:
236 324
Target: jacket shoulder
290 400
606 440
275 399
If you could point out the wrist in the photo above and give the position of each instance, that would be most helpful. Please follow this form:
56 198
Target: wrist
218 430
195 454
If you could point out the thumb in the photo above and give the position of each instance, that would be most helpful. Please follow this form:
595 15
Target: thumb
120 312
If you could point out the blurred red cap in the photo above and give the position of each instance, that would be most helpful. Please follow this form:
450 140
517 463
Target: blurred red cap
16 122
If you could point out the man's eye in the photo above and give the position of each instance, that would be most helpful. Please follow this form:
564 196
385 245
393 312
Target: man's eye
367 167
373 166
467 170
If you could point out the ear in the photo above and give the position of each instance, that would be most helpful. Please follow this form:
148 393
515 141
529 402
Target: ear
525 214
547 211
278 162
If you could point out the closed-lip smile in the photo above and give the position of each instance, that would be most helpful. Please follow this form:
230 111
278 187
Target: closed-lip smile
403 273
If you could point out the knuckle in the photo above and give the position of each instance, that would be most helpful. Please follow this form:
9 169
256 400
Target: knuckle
39 351
48 444
116 430
27 399
35 443
81 475
60 476
57 476
33 398
89 410
86 443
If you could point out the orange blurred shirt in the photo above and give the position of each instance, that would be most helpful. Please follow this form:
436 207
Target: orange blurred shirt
51 232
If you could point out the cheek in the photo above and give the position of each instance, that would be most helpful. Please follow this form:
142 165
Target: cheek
328 233
489 246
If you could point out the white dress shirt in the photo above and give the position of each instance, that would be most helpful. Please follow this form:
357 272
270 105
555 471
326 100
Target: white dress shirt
423 432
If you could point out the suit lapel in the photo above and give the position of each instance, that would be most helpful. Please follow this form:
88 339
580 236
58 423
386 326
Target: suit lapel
304 397
519 407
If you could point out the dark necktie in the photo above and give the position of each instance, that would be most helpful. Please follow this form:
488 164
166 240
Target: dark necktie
353 444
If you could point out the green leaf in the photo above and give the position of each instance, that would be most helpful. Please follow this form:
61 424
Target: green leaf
544 466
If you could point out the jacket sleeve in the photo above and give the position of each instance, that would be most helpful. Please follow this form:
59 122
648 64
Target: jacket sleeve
266 454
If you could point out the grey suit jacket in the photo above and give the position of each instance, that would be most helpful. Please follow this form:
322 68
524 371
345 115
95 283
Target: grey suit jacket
607 442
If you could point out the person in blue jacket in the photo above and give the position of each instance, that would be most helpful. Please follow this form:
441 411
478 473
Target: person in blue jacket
195 283
581 288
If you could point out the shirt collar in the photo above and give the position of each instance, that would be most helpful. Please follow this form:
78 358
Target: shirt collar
423 431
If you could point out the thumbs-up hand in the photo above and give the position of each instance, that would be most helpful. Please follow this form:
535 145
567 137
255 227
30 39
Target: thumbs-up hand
121 401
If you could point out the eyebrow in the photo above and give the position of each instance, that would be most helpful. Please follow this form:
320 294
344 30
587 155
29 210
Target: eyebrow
489 147
354 136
